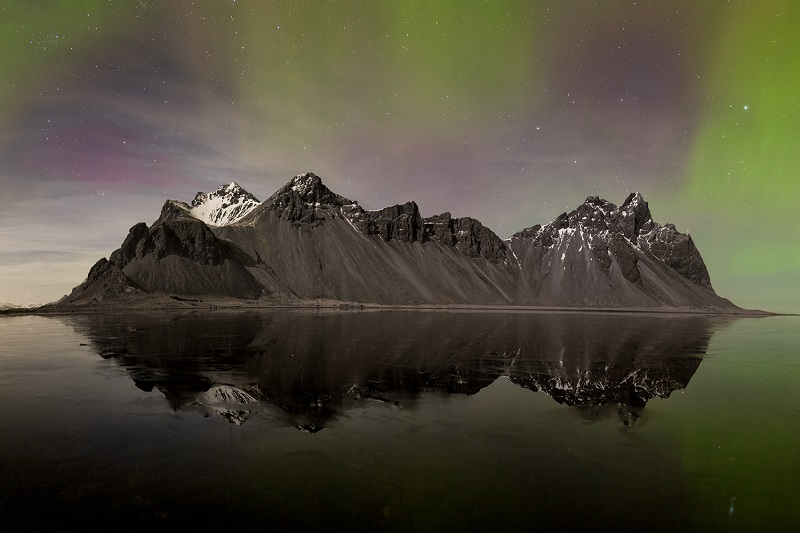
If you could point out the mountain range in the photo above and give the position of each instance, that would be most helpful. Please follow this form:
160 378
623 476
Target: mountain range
306 243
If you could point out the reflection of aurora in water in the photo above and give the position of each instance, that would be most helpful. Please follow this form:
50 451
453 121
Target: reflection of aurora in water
307 368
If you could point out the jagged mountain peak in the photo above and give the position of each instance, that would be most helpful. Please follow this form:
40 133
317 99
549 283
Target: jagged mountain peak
230 191
636 203
303 183
634 216
599 202
634 198
305 193
309 187
223 206
597 216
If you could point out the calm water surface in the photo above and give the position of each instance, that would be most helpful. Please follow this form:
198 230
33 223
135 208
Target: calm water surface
401 421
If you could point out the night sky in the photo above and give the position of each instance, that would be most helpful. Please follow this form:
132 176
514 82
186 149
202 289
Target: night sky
507 111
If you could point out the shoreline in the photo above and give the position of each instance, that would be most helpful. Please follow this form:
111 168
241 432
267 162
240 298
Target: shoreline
175 304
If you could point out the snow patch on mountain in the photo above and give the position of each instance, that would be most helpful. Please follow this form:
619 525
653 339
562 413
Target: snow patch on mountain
224 205
302 183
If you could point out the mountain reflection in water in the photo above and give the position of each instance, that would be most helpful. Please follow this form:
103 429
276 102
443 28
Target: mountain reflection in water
307 367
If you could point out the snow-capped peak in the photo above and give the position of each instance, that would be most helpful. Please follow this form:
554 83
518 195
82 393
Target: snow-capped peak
224 205
302 183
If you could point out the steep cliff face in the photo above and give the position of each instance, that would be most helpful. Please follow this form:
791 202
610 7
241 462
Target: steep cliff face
466 235
677 251
399 222
306 242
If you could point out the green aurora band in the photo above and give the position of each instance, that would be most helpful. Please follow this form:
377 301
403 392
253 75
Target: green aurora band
745 160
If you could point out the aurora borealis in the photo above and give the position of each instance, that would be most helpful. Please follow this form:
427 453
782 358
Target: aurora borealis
508 111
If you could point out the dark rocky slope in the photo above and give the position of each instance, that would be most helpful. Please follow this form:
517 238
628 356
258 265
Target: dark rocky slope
306 242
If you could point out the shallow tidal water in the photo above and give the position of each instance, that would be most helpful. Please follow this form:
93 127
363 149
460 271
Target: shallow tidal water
400 421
